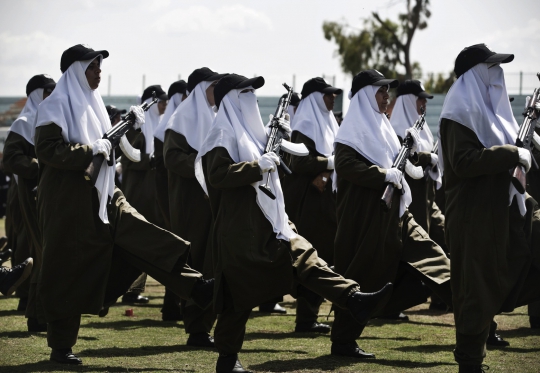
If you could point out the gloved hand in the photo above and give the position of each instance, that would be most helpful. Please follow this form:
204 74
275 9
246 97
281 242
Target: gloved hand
413 171
102 146
139 116
268 162
415 136
434 159
330 165
393 175
525 158
284 122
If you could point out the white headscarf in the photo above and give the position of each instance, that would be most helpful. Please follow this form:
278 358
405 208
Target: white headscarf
404 115
194 117
174 101
151 122
24 125
80 112
315 121
478 100
370 133
239 129
290 110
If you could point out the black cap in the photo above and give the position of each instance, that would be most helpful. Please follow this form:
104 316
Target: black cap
414 87
235 81
113 111
40 81
478 53
318 85
371 77
179 86
204 74
160 93
79 52
295 98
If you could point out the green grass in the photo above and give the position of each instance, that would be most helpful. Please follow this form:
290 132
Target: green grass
144 343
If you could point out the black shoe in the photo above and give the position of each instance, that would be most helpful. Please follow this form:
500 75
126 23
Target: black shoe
495 340
396 317
134 298
34 326
65 356
203 293
230 364
104 311
362 305
473 368
312 327
535 322
272 308
11 278
350 350
200 340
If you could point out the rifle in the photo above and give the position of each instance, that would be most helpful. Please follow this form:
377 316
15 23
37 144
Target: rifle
401 160
116 136
525 139
277 140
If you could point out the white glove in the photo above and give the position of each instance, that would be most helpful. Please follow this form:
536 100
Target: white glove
102 146
139 116
330 165
393 175
525 158
268 162
415 136
413 171
118 167
434 159
284 122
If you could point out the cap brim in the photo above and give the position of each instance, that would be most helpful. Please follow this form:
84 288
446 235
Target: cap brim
393 83
500 58
163 97
49 86
122 111
333 90
425 95
214 77
94 54
256 83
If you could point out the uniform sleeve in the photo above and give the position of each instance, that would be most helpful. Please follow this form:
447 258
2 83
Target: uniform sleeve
312 164
18 158
52 150
468 158
422 159
138 141
178 155
223 173
349 167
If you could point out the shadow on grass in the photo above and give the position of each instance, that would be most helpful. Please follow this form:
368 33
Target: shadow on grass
138 351
331 363
378 323
19 334
49 366
4 313
519 332
132 323
427 349
427 312
284 335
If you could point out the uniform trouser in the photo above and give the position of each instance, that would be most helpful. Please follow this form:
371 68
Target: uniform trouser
21 253
534 308
197 320
139 284
310 271
63 333
307 305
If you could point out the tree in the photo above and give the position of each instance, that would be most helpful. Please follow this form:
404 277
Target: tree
439 84
382 44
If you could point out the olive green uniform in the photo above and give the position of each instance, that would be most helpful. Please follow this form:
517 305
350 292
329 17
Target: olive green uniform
374 247
252 266
20 158
87 263
191 218
162 185
495 258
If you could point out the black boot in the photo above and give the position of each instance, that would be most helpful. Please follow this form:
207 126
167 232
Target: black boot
230 364
34 326
200 340
203 293
494 339
362 305
473 368
11 278
65 356
350 350
311 327
172 309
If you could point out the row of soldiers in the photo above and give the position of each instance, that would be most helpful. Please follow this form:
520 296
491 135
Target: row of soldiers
202 163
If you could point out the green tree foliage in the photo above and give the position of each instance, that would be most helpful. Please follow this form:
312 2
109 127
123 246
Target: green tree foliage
381 44
439 84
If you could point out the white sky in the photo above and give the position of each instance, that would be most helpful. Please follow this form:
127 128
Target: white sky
273 38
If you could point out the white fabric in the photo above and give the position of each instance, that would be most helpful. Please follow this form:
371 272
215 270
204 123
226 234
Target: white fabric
268 162
102 146
394 176
416 172
404 115
80 112
24 125
139 116
330 165
194 117
315 121
173 104
239 129
525 158
370 133
290 110
151 121
479 101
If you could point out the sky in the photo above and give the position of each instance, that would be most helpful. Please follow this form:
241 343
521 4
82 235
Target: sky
165 39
